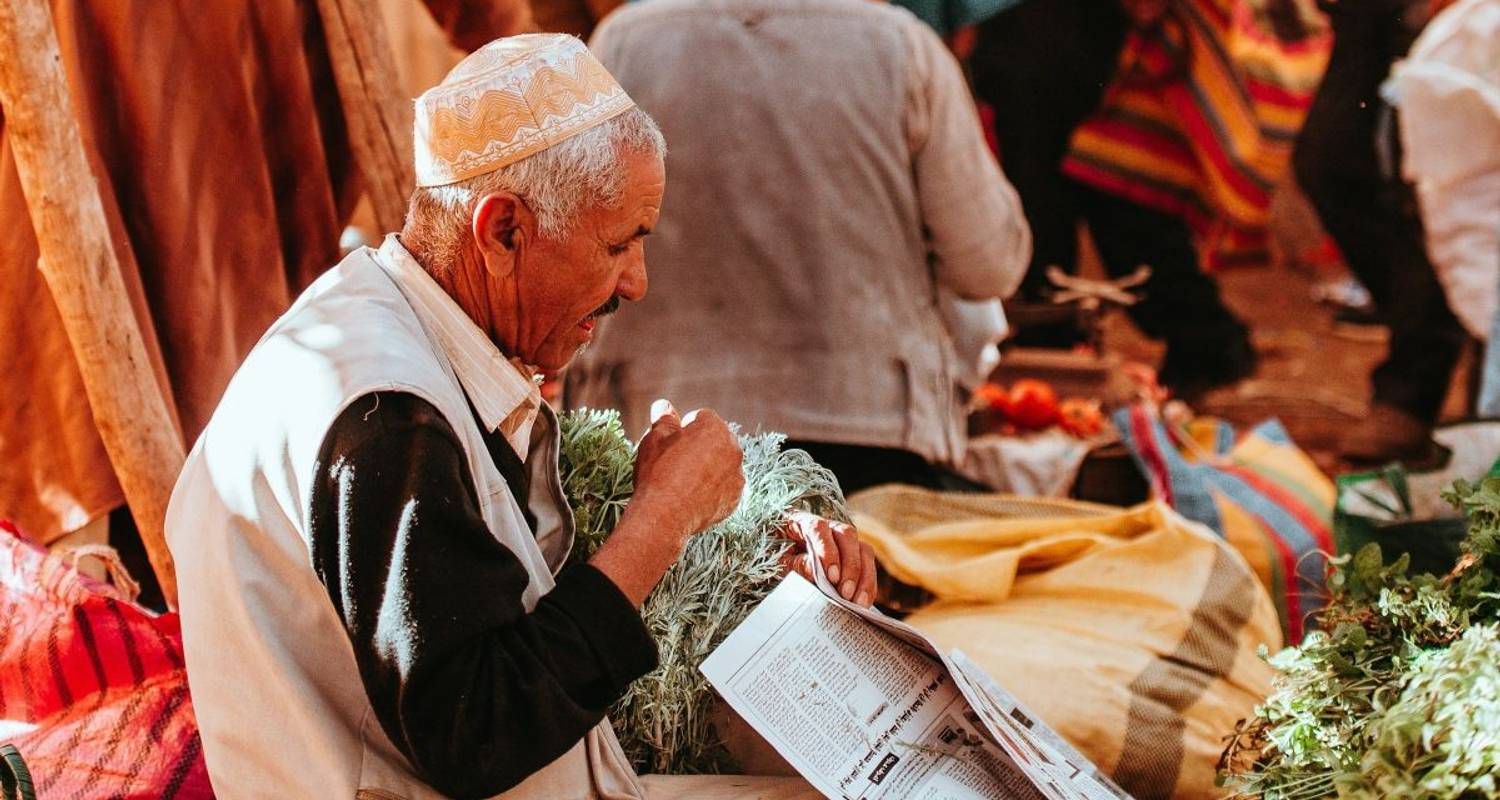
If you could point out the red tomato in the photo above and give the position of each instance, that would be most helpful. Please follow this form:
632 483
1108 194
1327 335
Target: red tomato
1033 405
1081 418
991 397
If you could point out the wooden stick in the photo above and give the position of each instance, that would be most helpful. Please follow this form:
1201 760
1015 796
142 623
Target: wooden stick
80 266
378 116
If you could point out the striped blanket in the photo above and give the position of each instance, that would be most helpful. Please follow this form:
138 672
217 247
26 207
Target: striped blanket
1261 493
93 689
1202 116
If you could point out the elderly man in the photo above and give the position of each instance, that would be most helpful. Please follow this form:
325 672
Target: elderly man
831 182
371 534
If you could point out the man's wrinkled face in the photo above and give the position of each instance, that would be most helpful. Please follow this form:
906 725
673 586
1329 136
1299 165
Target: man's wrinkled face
564 287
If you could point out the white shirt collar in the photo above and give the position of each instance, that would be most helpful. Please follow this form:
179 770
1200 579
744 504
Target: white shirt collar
503 391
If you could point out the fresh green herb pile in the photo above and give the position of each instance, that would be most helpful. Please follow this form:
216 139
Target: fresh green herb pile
663 720
598 474
1399 694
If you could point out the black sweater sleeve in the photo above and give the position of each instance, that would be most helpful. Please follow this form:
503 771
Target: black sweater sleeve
474 690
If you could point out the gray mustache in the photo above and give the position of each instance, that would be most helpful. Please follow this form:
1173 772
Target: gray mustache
608 308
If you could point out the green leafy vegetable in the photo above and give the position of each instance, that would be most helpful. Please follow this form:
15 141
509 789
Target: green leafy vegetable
1398 694
663 719
1441 738
598 475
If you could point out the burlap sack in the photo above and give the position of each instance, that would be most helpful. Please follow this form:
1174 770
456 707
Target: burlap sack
1132 632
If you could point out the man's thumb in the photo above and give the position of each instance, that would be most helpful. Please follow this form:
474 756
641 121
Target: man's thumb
664 421
662 407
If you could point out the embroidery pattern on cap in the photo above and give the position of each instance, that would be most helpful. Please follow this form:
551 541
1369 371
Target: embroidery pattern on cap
468 134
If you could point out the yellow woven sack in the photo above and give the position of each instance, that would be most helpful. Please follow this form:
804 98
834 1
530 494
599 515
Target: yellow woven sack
1133 632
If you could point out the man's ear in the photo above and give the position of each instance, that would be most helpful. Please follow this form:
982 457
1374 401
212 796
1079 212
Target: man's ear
500 229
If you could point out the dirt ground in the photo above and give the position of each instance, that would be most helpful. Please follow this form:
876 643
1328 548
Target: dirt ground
1313 373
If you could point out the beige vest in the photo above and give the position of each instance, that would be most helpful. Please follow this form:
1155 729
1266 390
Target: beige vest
279 699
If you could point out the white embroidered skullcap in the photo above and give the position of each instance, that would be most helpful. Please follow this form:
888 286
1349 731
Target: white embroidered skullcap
509 99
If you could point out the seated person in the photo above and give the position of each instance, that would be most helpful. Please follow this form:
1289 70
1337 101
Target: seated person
371 533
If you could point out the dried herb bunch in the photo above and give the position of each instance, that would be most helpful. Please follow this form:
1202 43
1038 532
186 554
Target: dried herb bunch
1398 694
663 719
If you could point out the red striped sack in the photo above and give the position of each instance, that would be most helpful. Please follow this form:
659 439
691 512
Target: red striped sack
93 691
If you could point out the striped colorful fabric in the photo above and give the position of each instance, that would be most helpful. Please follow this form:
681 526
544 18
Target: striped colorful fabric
1202 116
93 689
1260 492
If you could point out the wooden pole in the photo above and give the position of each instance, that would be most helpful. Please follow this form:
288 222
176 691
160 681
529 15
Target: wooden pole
379 117
80 266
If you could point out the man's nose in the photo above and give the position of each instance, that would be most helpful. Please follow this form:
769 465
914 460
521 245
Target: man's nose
632 284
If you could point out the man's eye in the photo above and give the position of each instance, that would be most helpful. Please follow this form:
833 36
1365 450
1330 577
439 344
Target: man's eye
619 249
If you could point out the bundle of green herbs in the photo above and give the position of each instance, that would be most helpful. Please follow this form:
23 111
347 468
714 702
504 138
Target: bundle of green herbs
663 719
1398 693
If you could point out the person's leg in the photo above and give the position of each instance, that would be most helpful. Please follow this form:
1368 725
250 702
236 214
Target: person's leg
1488 404
1426 339
1042 67
1335 160
858 467
1207 345
1373 219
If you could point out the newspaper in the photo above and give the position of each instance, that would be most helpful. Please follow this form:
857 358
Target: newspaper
867 708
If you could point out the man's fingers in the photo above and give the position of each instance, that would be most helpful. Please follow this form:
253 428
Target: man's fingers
661 407
664 426
664 420
706 414
849 563
708 422
792 530
798 561
849 558
822 545
817 539
836 546
868 575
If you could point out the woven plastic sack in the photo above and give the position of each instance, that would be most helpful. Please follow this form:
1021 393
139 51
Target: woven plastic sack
1259 491
1132 632
93 689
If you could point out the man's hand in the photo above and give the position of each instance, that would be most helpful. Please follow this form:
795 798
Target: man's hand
687 477
688 466
848 562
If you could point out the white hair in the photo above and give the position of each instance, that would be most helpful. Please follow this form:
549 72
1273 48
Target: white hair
558 184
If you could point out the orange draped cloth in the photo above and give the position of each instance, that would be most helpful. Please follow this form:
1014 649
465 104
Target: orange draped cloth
1202 116
215 131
